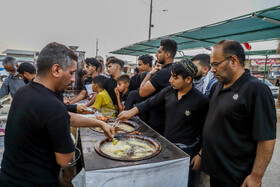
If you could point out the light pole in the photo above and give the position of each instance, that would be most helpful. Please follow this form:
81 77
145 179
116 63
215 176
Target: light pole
96 47
150 24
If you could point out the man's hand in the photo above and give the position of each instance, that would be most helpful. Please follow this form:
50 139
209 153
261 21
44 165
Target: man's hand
117 92
109 131
81 109
154 70
196 163
252 181
66 100
264 153
124 115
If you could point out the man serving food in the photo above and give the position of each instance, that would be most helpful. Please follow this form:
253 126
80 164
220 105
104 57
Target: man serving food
37 140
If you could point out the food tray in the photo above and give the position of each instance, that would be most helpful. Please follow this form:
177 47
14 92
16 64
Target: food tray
151 142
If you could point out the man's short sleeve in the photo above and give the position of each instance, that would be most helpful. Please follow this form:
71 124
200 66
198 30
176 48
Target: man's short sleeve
58 127
160 79
264 114
156 80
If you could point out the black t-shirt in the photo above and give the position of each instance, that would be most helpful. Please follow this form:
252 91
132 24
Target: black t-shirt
38 125
133 83
184 118
161 78
110 85
133 98
238 117
123 98
159 81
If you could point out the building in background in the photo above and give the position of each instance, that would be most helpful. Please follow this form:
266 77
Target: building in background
20 55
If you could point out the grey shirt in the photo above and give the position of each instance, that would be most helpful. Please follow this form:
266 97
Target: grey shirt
10 85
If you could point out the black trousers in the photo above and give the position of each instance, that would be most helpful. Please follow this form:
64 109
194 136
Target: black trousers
217 183
192 151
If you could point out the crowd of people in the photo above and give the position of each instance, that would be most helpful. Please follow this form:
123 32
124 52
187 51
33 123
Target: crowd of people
210 106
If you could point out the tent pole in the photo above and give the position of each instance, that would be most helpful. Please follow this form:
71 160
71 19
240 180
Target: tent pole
265 66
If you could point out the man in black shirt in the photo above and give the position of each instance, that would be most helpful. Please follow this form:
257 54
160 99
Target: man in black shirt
37 140
157 80
114 68
145 63
26 71
240 128
133 80
186 111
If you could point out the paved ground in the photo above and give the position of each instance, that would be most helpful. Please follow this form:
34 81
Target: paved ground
272 174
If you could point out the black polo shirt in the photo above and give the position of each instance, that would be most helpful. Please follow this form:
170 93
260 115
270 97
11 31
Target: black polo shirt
123 98
184 118
159 81
239 116
110 85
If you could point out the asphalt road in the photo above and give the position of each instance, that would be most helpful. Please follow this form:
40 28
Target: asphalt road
272 175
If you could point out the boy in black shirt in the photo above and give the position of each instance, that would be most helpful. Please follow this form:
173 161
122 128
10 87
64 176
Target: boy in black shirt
187 108
122 91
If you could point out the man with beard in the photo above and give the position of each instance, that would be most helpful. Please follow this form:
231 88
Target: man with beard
27 72
13 82
204 80
37 139
157 80
240 128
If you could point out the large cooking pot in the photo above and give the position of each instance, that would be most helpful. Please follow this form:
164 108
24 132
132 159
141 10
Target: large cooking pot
151 142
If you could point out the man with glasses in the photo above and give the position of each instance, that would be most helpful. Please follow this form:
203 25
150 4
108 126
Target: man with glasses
240 128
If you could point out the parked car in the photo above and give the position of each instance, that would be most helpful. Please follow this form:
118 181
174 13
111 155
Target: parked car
274 89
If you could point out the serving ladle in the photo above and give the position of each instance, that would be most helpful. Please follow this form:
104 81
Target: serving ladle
115 140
